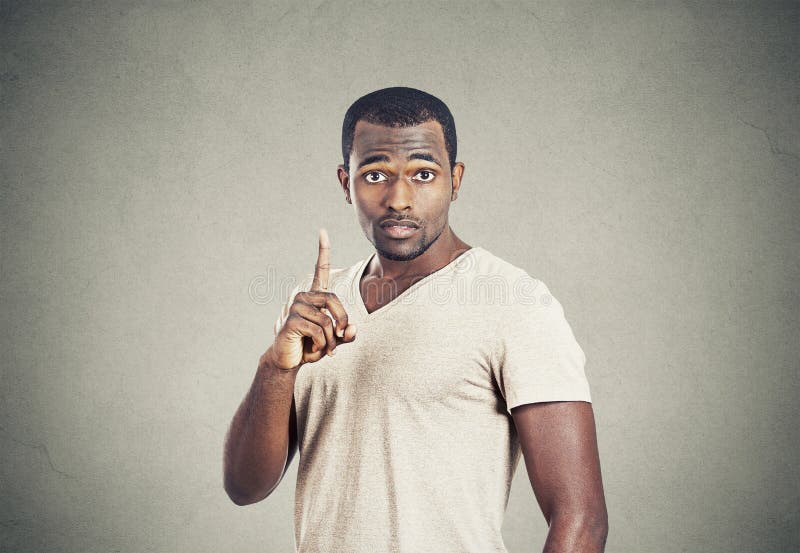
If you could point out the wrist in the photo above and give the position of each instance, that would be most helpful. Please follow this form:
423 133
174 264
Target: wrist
268 364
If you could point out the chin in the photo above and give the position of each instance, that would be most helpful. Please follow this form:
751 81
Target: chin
399 256
397 251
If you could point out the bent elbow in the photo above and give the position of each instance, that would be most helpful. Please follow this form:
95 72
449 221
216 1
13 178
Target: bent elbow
237 496
599 532
588 527
595 526
242 497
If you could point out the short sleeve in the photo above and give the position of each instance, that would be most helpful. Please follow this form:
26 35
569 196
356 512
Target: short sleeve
537 357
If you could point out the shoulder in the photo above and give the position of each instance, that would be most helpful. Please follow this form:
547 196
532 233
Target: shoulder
485 262
510 285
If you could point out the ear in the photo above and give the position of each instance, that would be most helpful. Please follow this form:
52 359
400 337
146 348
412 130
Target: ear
457 175
344 180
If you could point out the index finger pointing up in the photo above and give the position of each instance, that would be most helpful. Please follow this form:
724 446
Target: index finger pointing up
322 268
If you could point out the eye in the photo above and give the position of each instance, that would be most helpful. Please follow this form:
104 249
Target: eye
425 175
374 176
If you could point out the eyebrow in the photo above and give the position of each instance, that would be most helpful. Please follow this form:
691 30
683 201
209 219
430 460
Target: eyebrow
425 157
385 159
373 159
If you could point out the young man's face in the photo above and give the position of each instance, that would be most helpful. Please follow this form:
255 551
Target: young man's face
401 186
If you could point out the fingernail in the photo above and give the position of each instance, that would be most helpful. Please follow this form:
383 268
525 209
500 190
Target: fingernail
340 332
332 353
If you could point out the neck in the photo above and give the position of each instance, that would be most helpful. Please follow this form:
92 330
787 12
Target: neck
445 249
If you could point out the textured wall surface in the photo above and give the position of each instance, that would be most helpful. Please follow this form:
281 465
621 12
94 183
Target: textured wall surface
156 158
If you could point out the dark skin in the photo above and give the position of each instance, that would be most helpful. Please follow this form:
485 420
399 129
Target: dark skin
405 174
560 449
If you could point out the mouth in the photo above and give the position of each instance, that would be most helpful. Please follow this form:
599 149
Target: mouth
399 229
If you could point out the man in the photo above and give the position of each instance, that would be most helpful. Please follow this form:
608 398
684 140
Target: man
412 380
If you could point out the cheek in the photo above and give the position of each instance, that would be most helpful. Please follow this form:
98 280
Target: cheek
437 204
361 204
365 196
365 211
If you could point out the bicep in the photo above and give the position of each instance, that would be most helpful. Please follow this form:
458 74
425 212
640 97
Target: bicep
559 444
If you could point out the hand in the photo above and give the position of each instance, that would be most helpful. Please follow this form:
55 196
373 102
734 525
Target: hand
309 332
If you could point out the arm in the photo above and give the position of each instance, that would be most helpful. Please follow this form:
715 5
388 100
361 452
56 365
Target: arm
262 438
560 448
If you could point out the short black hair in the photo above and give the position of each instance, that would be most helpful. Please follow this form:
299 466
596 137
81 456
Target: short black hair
398 106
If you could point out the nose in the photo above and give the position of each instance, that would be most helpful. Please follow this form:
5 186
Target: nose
400 195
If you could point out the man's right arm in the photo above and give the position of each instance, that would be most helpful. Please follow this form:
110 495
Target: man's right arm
262 438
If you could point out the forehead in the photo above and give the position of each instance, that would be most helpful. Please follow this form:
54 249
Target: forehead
370 138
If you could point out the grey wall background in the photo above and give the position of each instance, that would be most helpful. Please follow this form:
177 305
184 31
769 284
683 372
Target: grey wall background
640 158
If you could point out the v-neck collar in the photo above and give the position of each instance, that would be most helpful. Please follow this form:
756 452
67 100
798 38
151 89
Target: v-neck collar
356 284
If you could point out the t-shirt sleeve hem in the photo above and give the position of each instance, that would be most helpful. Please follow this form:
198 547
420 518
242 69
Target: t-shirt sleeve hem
578 391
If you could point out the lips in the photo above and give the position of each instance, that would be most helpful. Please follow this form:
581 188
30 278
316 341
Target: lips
399 223
399 228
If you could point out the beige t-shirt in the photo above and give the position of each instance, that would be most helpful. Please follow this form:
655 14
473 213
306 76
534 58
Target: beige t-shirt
405 435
